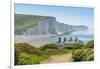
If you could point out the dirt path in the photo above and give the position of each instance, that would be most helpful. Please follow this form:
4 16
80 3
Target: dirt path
58 59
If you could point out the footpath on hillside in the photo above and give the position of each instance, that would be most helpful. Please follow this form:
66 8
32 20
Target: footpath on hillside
58 59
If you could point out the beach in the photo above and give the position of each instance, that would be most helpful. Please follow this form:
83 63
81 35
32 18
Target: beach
28 39
40 40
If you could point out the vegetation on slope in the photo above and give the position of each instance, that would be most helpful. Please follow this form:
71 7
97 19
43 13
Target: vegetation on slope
26 54
85 53
23 21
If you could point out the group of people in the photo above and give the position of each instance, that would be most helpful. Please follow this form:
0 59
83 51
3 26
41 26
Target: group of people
64 40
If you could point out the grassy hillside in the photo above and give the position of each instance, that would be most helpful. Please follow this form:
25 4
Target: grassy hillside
23 21
26 54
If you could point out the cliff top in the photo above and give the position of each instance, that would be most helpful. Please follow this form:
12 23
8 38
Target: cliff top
23 21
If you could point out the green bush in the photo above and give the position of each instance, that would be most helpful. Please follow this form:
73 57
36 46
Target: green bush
85 54
70 47
90 57
90 44
79 55
74 46
25 59
49 46
24 47
90 54
77 46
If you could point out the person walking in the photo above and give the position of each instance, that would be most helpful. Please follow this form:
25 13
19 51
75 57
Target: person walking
59 39
64 39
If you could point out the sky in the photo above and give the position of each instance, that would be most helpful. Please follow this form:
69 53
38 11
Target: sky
63 14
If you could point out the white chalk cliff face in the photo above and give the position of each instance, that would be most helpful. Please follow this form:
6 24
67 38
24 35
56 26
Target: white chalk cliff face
49 26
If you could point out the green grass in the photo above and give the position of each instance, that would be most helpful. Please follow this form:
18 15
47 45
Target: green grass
26 54
26 58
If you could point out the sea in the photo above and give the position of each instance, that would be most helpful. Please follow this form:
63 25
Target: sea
54 38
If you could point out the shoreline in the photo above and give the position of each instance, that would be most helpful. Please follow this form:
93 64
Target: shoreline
28 39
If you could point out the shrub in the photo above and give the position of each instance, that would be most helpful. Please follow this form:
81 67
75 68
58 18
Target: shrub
26 54
79 55
69 47
24 47
77 46
90 57
25 59
90 44
90 54
85 54
74 46
49 46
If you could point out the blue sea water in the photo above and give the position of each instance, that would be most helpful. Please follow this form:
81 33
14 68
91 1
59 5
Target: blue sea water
54 38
